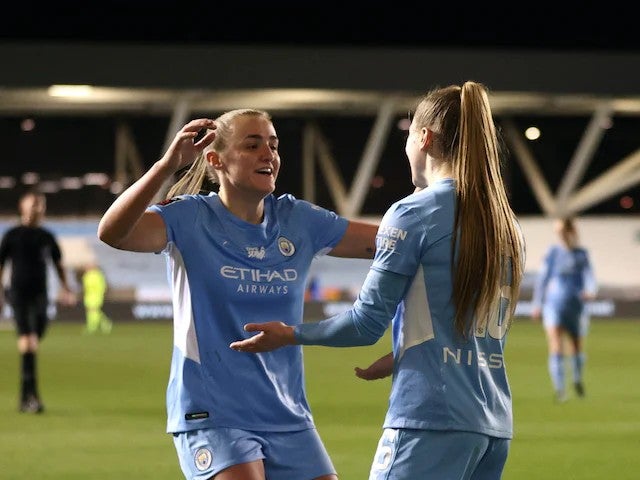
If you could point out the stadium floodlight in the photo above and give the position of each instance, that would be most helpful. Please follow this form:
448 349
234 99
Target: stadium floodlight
70 91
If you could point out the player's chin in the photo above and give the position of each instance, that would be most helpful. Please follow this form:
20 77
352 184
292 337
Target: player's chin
267 189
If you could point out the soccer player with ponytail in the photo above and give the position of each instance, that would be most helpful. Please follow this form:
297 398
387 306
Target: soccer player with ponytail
446 276
234 254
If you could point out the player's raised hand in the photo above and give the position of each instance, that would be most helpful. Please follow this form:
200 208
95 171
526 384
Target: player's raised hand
271 335
185 146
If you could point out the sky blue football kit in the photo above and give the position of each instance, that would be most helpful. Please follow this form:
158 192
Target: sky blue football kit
566 275
447 394
226 407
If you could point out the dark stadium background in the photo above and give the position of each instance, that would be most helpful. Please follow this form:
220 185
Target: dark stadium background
68 146
61 146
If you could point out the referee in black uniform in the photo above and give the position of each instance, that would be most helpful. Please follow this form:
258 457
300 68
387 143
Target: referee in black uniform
28 247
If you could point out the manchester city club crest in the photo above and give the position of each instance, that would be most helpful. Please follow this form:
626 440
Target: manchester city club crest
286 247
203 458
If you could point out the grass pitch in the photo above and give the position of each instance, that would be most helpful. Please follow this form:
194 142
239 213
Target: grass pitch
105 416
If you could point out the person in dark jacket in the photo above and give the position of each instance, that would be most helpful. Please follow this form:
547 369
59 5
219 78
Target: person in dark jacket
29 248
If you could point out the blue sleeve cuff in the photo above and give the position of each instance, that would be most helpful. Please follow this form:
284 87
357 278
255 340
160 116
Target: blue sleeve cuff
366 321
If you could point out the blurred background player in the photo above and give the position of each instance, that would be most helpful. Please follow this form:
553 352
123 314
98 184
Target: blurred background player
564 285
29 247
94 289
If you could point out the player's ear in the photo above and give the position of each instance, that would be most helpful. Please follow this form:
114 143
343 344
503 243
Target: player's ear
213 159
426 138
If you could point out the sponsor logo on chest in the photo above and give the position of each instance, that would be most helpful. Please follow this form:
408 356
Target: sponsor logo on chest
262 281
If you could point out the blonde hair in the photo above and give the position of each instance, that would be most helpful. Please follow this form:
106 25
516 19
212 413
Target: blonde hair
194 178
486 237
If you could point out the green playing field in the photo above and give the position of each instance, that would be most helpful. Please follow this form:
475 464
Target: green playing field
105 414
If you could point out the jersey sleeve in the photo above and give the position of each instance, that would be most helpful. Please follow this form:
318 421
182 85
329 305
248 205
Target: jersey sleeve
400 241
326 228
179 214
54 248
366 321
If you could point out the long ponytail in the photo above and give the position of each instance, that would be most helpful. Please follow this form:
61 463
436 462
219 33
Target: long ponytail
487 244
486 232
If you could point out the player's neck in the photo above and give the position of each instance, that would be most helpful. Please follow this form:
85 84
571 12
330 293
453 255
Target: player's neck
249 211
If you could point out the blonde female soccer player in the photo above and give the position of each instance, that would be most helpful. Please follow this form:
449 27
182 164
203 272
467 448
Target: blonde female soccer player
233 255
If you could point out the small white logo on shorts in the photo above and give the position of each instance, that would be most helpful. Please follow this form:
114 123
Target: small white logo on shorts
203 458
286 247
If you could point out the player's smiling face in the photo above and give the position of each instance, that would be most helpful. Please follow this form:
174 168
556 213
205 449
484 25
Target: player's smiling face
251 162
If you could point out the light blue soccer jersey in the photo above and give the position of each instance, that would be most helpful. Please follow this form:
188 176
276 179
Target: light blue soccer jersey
224 273
439 382
565 275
